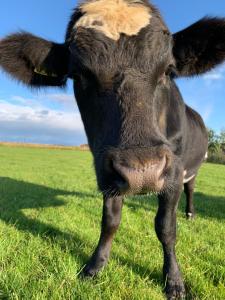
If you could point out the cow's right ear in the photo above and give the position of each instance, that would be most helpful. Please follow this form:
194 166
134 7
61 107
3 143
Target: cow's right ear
33 60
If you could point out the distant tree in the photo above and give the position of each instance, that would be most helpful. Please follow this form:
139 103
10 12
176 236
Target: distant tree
216 148
222 139
214 141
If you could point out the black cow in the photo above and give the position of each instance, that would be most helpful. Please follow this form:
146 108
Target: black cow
143 137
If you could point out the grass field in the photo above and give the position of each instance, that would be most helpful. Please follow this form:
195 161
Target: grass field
50 214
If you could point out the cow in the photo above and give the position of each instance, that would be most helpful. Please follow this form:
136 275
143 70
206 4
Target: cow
123 61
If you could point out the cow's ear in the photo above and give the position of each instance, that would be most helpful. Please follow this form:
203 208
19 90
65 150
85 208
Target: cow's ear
200 47
33 60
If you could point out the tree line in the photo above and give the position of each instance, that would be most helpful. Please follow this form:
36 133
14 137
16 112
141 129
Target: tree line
216 148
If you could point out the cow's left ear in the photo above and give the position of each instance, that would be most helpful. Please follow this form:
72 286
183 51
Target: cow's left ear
200 47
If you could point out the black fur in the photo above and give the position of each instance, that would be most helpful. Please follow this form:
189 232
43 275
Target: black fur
132 111
23 56
200 47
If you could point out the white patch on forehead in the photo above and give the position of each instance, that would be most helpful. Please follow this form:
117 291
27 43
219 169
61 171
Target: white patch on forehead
113 17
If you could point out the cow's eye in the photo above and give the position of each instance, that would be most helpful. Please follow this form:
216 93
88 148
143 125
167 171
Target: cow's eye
171 71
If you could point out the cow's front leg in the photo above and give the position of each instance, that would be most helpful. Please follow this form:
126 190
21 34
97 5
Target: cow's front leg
112 208
165 225
189 191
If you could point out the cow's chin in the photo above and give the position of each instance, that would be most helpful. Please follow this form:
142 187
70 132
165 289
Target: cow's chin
146 188
120 189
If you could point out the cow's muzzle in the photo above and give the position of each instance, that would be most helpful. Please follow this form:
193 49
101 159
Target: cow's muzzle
139 170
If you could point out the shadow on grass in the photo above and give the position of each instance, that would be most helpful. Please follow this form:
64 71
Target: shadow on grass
143 271
3 294
206 206
17 195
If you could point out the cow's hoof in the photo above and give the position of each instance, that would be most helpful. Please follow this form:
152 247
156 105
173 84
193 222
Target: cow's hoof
89 272
190 216
175 290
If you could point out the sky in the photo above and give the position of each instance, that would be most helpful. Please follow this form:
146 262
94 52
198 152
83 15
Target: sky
51 116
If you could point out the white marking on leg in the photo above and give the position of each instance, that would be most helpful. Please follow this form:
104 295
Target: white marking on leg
185 180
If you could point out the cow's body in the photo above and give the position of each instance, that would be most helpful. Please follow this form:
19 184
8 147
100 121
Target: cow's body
143 137
196 143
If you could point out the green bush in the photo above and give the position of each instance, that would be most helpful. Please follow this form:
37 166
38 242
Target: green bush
216 148
217 156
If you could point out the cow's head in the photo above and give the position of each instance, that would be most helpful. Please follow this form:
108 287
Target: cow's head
122 58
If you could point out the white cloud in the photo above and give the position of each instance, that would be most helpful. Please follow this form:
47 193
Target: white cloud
63 100
213 76
39 123
205 109
66 120
206 112
216 74
60 97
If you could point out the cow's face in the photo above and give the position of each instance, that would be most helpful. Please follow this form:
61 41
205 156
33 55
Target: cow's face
121 76
120 55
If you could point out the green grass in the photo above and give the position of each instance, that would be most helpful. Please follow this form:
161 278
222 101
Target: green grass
50 214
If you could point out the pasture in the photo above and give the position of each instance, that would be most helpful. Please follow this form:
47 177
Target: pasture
50 212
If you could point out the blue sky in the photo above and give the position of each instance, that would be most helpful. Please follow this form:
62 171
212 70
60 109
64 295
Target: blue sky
51 116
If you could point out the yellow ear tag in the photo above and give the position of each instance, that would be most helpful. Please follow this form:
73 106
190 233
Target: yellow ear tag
44 72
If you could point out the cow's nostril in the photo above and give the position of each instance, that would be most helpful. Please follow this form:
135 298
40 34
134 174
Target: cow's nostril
120 179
